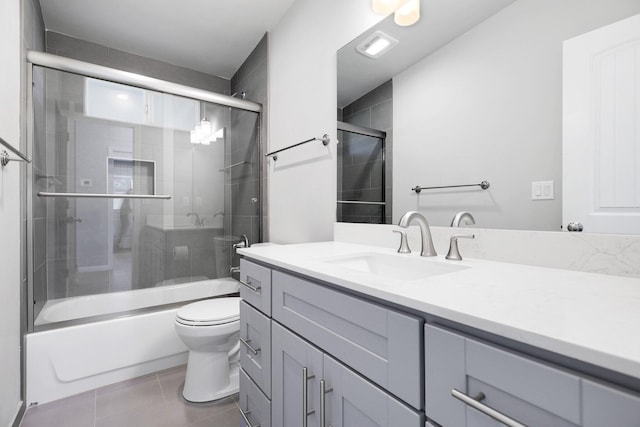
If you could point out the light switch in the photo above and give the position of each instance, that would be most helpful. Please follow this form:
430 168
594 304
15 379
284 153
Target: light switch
542 190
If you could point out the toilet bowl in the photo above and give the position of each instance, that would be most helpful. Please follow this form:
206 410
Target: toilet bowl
210 330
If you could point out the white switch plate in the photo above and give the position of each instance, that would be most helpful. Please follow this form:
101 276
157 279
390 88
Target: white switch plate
542 190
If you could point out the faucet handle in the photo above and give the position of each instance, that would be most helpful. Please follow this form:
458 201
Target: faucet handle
404 244
454 253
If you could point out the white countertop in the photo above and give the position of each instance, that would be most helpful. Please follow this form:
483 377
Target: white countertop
590 317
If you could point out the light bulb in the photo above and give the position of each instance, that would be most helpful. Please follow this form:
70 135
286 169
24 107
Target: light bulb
408 14
194 137
385 7
205 125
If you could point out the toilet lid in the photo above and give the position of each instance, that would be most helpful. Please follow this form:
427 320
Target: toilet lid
210 312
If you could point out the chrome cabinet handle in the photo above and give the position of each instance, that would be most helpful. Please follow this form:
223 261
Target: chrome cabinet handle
248 284
246 419
305 410
249 346
323 402
487 410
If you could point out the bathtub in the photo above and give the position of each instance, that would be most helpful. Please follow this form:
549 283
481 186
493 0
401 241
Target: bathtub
66 361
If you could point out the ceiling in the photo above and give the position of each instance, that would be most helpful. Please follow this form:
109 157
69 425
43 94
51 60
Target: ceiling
211 36
441 22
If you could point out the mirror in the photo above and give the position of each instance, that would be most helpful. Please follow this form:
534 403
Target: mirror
477 95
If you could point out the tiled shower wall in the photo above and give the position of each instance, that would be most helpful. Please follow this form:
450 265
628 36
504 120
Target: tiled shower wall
248 190
360 158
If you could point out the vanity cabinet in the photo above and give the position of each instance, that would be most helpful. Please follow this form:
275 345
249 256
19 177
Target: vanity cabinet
311 388
466 378
382 344
255 344
313 351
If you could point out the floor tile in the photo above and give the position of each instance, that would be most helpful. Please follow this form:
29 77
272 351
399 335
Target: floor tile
74 411
128 395
230 418
186 413
154 415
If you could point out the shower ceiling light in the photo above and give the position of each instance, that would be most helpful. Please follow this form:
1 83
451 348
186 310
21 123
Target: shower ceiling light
376 45
408 14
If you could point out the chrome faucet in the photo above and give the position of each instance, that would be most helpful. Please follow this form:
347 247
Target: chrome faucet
425 232
244 243
460 217
199 222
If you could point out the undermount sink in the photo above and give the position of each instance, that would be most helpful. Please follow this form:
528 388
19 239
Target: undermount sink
395 266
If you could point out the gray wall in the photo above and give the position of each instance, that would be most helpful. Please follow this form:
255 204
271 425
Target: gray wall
488 106
360 158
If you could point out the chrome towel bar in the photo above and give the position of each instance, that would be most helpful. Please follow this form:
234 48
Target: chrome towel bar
484 185
358 202
105 196
325 141
4 156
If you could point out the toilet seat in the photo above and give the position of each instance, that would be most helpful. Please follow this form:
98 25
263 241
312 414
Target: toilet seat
217 311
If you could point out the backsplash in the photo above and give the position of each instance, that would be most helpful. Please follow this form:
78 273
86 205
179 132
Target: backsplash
594 253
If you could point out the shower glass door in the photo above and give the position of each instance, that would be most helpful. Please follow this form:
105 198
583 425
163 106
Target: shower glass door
362 189
95 141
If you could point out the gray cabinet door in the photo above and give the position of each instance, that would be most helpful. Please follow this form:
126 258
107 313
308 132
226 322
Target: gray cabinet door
353 401
255 346
254 404
525 390
608 406
382 344
291 358
255 285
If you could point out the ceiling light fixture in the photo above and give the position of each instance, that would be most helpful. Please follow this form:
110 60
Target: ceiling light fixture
376 45
385 7
405 12
203 133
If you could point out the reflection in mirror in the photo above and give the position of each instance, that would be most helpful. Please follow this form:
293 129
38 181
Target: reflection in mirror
477 95
364 172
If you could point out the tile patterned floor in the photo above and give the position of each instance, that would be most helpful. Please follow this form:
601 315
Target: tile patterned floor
154 400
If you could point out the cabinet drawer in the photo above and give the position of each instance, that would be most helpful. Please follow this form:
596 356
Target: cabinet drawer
254 404
380 343
255 285
526 390
608 406
255 346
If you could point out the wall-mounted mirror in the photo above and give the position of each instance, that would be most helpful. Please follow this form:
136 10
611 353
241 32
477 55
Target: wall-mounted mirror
477 95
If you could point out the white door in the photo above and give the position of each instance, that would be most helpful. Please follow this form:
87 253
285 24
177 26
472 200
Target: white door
601 129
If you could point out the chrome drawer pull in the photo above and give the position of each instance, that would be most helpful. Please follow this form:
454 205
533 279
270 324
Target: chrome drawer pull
305 410
246 420
255 289
323 402
249 346
487 410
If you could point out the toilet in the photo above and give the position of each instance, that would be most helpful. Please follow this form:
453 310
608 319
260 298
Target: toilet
210 330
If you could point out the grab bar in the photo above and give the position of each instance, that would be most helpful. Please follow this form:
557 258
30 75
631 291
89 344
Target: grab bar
4 156
105 196
325 141
484 185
